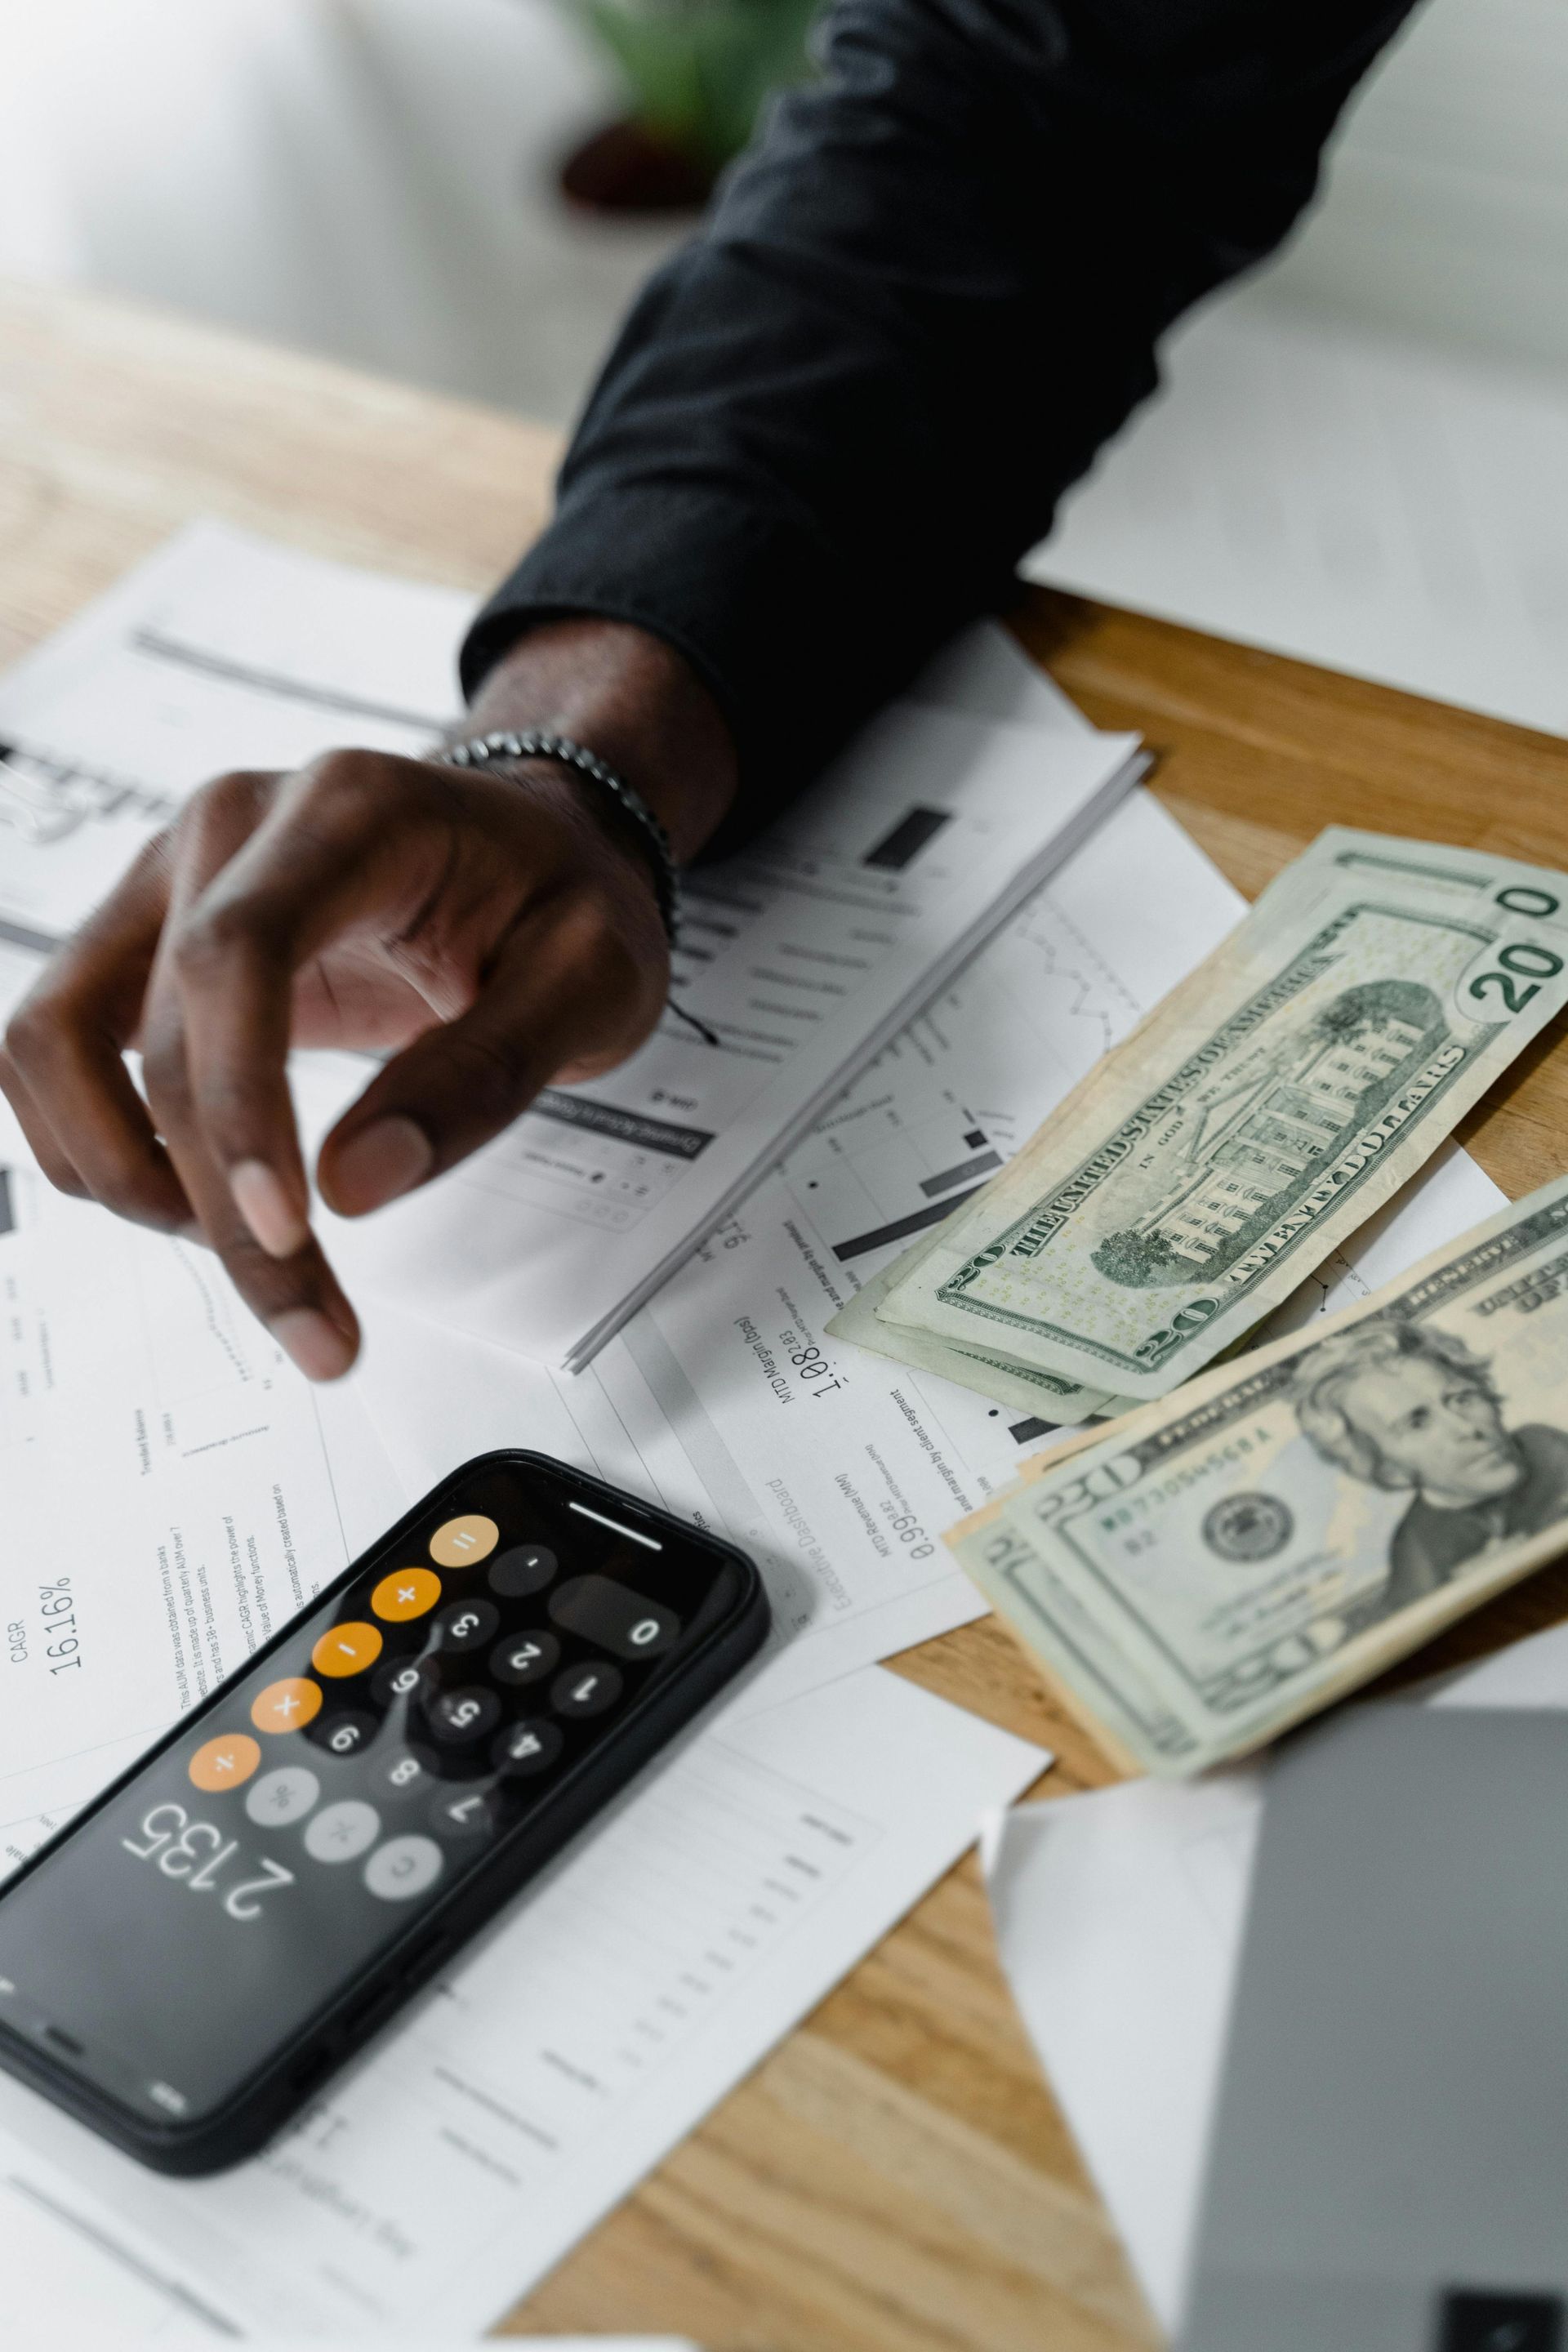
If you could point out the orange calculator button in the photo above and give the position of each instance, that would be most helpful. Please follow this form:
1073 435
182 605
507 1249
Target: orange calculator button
346 1650
406 1592
463 1541
225 1763
287 1706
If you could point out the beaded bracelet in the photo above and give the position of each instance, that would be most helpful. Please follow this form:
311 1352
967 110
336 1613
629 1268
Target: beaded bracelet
486 751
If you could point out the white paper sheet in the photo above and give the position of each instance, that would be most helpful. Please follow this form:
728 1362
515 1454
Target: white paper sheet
629 1990
1119 1920
1384 506
173 1490
802 956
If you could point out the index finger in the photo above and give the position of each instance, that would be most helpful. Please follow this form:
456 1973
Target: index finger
226 991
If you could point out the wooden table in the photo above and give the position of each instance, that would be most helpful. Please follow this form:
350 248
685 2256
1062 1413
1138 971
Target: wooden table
896 2177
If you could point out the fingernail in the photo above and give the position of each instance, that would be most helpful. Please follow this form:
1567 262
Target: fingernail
267 1208
322 1352
380 1162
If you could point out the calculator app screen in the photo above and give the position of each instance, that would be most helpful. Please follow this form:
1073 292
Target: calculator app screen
207 1913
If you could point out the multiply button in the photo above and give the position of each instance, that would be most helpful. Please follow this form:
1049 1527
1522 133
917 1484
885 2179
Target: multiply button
346 1650
463 1543
225 1763
406 1592
586 1690
614 1618
288 1706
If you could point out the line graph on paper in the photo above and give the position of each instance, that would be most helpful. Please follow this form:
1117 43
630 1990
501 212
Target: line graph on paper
949 1101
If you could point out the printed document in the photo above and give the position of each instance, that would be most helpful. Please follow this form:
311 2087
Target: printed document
174 1490
623 1995
1119 1921
799 957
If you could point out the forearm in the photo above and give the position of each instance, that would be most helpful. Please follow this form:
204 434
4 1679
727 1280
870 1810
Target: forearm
924 302
630 699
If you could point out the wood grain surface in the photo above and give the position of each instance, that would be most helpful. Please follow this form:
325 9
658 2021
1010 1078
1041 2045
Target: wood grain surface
896 2177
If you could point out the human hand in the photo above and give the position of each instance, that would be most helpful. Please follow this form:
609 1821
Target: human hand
490 932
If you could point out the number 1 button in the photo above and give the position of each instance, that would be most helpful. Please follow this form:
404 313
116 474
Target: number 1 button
586 1690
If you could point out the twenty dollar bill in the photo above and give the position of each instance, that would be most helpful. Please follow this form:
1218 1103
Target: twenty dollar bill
1219 1565
1284 1092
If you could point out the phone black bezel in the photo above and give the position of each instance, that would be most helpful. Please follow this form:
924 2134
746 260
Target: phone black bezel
347 2020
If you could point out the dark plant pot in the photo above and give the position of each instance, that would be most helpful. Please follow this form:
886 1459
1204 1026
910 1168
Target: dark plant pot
697 72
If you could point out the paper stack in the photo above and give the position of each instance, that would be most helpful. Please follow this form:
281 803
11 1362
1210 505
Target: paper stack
800 958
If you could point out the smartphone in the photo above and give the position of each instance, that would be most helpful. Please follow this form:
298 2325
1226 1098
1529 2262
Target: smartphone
183 1965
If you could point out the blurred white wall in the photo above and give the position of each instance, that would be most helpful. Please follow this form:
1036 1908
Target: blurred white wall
1447 214
368 178
1362 458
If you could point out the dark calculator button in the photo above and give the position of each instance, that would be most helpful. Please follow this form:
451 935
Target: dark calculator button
402 1774
615 1618
528 1745
592 1689
524 1658
525 1569
461 1716
345 1733
466 1624
401 1678
463 1812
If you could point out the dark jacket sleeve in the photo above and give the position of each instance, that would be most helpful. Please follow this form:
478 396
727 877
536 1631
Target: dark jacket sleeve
922 301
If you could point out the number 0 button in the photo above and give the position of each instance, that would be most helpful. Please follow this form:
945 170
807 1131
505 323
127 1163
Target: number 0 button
586 1690
403 1867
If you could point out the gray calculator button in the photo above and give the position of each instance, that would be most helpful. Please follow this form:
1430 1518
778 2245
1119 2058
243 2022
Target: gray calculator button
525 1569
282 1797
342 1833
466 1624
615 1618
462 1812
403 1867
523 1658
586 1690
402 1774
459 1715
528 1747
